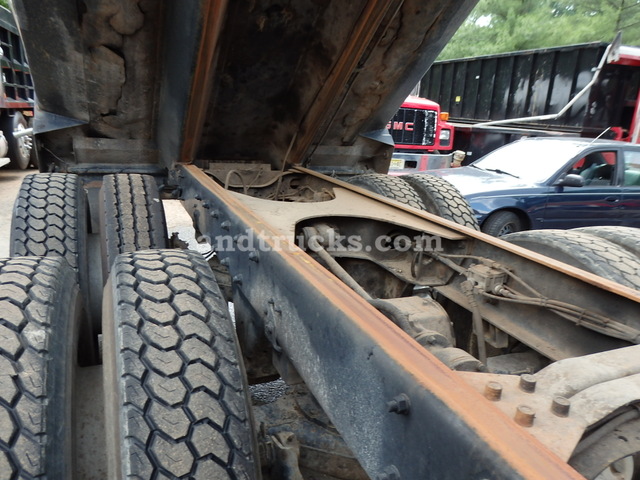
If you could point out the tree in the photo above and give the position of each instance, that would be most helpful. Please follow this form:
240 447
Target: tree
497 26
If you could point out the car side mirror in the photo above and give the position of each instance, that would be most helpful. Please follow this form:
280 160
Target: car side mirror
571 180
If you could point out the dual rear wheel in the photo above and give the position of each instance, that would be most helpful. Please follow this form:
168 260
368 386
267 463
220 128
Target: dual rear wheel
422 191
174 383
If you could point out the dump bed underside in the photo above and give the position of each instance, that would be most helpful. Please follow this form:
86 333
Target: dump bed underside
160 82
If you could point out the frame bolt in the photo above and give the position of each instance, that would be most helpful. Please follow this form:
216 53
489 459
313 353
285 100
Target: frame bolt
560 406
237 279
253 256
528 383
493 391
525 416
389 473
225 225
214 213
399 404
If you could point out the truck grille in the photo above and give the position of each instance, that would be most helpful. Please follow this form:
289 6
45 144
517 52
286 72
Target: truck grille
413 127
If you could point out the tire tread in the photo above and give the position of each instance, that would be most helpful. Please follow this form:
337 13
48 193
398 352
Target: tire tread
388 186
45 218
132 216
35 347
583 250
443 199
177 374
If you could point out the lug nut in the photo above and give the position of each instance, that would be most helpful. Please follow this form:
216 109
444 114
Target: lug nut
493 391
528 383
400 404
560 406
524 416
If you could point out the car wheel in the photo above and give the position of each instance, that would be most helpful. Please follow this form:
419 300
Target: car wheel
581 250
443 199
502 223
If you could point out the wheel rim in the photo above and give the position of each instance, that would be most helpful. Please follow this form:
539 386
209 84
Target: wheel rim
24 142
507 229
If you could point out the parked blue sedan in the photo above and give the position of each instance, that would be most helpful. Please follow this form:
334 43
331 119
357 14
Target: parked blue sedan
547 182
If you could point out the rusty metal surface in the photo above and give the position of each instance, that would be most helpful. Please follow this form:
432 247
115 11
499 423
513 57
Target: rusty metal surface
354 360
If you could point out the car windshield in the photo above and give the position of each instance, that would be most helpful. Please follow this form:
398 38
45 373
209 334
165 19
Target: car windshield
534 161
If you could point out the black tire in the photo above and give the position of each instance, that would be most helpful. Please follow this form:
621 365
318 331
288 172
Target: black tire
388 186
175 386
131 217
441 198
39 310
584 251
50 219
616 448
502 223
625 237
19 148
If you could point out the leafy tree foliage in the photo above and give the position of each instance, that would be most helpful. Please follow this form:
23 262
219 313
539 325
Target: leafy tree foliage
497 26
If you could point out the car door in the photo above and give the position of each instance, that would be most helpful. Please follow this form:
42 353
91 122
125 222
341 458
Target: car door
597 202
631 189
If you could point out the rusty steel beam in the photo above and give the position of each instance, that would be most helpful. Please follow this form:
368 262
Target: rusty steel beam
212 23
361 36
355 360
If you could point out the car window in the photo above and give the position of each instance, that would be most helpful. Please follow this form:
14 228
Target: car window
597 168
631 169
535 161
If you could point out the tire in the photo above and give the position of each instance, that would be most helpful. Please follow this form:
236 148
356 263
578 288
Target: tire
50 219
625 237
615 448
175 386
387 186
19 148
39 312
502 223
584 251
441 198
131 217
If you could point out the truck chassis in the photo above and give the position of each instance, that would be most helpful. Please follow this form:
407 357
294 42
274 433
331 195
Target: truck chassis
412 345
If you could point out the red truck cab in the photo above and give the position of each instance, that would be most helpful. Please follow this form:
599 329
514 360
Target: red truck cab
420 127
420 131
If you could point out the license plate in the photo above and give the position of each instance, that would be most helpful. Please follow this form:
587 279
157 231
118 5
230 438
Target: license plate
396 164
